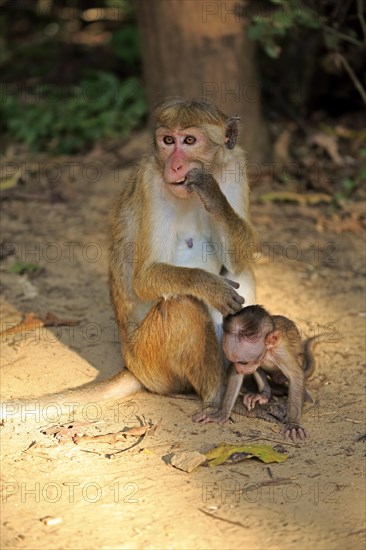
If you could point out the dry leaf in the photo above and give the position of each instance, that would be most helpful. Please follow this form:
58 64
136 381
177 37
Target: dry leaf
66 432
330 144
111 438
187 460
141 430
290 196
281 147
352 223
31 322
52 320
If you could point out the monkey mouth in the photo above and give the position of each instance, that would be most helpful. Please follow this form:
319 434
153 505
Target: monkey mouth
243 369
179 182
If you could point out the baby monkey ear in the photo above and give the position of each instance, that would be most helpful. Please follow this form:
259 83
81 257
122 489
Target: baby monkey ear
272 339
231 132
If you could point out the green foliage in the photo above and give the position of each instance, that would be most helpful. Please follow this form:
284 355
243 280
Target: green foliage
308 39
348 185
268 28
68 119
126 46
286 16
21 268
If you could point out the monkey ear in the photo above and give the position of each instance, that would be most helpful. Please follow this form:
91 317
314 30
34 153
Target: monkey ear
272 339
231 132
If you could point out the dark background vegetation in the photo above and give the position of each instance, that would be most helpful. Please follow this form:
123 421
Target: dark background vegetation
72 76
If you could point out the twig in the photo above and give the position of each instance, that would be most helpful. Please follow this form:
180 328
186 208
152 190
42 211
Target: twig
112 455
352 75
239 473
343 36
277 481
237 523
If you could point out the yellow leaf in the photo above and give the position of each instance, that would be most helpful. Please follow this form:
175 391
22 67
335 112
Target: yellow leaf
8 184
232 453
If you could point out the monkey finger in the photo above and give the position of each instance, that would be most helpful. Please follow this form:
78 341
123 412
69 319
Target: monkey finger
234 284
247 400
203 420
228 308
295 434
233 307
239 299
303 434
199 417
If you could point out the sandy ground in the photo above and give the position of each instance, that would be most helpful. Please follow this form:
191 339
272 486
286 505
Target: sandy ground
309 269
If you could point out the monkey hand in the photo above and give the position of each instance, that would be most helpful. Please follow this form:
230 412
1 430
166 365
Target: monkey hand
294 431
250 399
219 417
207 189
221 294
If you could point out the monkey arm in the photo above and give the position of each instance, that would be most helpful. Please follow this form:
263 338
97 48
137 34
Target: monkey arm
262 382
295 375
234 383
161 280
236 233
264 391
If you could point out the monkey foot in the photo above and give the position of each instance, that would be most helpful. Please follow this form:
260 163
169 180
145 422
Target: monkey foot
219 417
295 432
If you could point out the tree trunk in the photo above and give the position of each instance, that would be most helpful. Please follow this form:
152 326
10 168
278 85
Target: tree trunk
199 49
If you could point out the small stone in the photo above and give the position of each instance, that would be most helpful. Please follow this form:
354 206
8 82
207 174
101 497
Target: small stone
50 520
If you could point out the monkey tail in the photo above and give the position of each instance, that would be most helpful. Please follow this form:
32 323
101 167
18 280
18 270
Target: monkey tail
53 406
309 357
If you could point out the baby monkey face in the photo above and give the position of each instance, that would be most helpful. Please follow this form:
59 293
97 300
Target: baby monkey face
246 355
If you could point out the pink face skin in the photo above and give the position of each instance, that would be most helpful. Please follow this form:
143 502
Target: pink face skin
246 355
178 149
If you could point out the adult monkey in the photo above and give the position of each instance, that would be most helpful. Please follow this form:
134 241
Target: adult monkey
181 244
184 215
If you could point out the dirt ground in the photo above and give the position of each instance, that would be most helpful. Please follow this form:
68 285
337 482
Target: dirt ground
61 495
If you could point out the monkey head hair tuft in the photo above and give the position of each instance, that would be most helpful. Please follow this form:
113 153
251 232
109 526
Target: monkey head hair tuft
182 113
250 322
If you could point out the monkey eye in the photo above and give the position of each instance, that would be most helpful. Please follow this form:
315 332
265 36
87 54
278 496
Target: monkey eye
190 140
168 140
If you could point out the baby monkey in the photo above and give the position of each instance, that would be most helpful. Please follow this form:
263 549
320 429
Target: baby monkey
258 343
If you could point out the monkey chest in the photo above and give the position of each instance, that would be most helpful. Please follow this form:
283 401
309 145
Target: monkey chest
194 246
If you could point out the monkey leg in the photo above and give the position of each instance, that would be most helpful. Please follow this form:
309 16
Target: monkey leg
175 350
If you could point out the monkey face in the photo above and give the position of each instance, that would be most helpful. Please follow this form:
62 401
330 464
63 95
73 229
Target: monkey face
246 355
178 151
